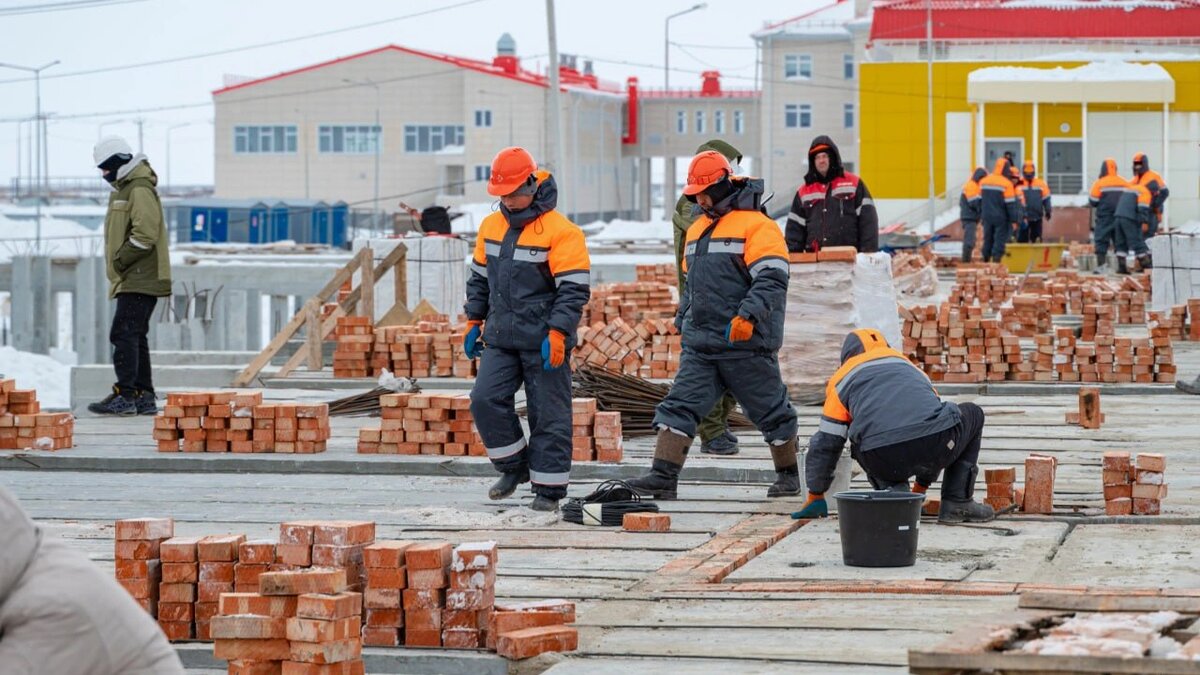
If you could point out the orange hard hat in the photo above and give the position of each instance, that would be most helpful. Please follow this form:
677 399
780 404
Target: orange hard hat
511 168
705 170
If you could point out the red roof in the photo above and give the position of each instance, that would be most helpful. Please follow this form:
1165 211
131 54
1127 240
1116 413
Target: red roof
1033 20
568 78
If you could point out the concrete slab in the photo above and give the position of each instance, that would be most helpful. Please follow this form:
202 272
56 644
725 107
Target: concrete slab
1126 555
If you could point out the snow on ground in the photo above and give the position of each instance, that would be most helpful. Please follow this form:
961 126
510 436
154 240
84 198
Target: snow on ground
60 238
628 230
51 379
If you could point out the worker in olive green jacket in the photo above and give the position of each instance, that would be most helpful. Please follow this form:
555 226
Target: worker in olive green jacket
139 273
715 437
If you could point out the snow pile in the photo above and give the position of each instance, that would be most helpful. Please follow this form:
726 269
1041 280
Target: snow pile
629 230
60 238
51 379
1097 71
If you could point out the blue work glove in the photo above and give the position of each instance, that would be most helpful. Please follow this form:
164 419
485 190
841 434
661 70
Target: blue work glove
471 339
815 507
554 350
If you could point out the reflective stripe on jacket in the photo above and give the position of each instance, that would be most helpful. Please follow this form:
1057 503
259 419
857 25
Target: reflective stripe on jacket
1036 196
999 197
1105 195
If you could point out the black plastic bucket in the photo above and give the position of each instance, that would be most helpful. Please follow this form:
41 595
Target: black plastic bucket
879 527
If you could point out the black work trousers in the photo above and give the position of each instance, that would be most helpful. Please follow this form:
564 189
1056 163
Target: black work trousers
130 347
956 450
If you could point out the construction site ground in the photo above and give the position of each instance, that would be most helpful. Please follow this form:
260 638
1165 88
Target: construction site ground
736 584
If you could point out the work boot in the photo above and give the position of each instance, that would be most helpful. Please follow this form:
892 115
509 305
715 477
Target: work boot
725 444
1122 268
117 403
965 512
1192 387
1145 261
509 480
958 492
670 452
147 403
787 474
543 503
1101 265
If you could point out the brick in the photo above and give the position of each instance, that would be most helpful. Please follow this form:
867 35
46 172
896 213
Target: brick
471 598
299 582
1007 475
386 553
179 572
173 592
423 619
205 611
837 254
423 599
145 529
474 578
528 642
247 667
1116 477
1089 408
465 618
474 556
1116 461
326 652
433 555
246 575
932 506
461 638
259 551
382 598
344 533
417 637
179 549
294 554
141 589
1122 506
219 548
1039 484
320 630
216 572
507 622
210 591
1146 507
646 522
247 626
262 605
252 650
1148 491
1149 477
138 569
427 578
385 618
297 533
175 611
1112 492
387 578
563 607
380 637
1151 461
176 630
329 606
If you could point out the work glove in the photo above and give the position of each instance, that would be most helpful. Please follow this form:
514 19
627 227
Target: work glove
554 350
739 330
814 507
471 339
920 489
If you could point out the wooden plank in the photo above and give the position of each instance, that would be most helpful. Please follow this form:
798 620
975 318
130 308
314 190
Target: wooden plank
367 283
1109 602
925 662
313 339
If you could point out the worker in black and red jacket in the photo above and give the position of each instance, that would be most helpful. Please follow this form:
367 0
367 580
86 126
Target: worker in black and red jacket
833 207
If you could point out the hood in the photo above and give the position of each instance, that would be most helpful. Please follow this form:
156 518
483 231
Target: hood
824 144
980 172
1108 167
1028 170
731 153
1141 163
746 196
544 200
138 167
21 538
1001 168
861 341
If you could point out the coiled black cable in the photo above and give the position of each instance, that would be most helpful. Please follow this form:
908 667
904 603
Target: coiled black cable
615 497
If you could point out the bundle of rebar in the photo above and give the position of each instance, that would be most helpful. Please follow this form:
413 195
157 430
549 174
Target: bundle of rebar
631 396
366 404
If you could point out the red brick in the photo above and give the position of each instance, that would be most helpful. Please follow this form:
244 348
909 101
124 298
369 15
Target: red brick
259 551
294 554
210 591
329 606
1116 461
262 605
137 549
1039 484
931 506
1151 461
179 573
1004 475
319 630
326 652
474 556
427 578
245 626
385 618
386 553
507 622
473 599
324 555
176 592
1122 506
211 571
385 577
254 650
176 630
351 667
140 588
299 582
430 555
474 578
837 254
138 569
646 522
461 638
381 598
179 549
1112 492
523 644
175 611
465 618
245 667
380 637
247 575
1147 491
424 598
1146 507
297 533
205 611
343 533
563 607
419 637
145 529
1116 477
219 548
423 619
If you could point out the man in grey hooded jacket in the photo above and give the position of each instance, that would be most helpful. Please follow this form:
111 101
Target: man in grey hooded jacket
60 614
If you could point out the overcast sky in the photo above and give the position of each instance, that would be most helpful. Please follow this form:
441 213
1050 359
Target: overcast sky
124 32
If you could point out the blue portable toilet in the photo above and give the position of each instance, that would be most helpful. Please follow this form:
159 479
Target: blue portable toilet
213 220
339 215
304 221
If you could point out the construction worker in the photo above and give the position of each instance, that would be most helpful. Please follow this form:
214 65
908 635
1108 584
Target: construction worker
968 211
1104 198
833 207
715 436
1035 196
530 278
898 427
998 210
1144 175
1133 213
731 318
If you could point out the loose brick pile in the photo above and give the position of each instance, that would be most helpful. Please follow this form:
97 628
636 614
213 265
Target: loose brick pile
355 342
23 425
662 273
632 302
1001 487
1193 306
138 565
225 421
1134 486
649 348
1171 323
431 348
595 435
988 285
1028 316
423 424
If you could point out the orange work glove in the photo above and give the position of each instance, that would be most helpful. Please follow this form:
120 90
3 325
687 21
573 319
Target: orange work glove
739 330
471 340
814 507
554 350
920 489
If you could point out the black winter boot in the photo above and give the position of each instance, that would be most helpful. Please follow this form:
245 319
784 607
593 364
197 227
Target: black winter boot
1145 261
147 403
958 492
670 452
508 483
1101 265
725 444
1122 268
543 503
117 403
787 474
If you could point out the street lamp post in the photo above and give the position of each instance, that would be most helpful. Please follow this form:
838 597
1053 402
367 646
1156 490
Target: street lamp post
40 134
667 189
377 135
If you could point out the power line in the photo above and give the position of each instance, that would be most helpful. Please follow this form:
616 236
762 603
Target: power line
22 10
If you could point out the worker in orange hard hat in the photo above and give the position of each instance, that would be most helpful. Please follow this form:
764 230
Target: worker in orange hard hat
1035 200
529 280
731 317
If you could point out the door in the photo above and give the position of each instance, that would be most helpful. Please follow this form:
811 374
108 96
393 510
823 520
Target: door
1064 166
994 149
218 230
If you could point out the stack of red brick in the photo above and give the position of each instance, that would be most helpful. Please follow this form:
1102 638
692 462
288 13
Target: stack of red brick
1028 316
423 424
355 341
222 421
1134 486
596 436
988 285
662 273
649 348
630 301
138 559
23 425
1170 324
1193 307
431 348
1001 487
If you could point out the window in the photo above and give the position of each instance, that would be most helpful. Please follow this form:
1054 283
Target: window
482 172
699 121
739 122
797 116
348 140
848 66
681 122
483 118
264 140
848 115
719 121
797 66
941 49
420 138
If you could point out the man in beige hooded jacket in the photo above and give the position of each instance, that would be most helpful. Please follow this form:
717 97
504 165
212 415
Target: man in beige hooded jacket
60 615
